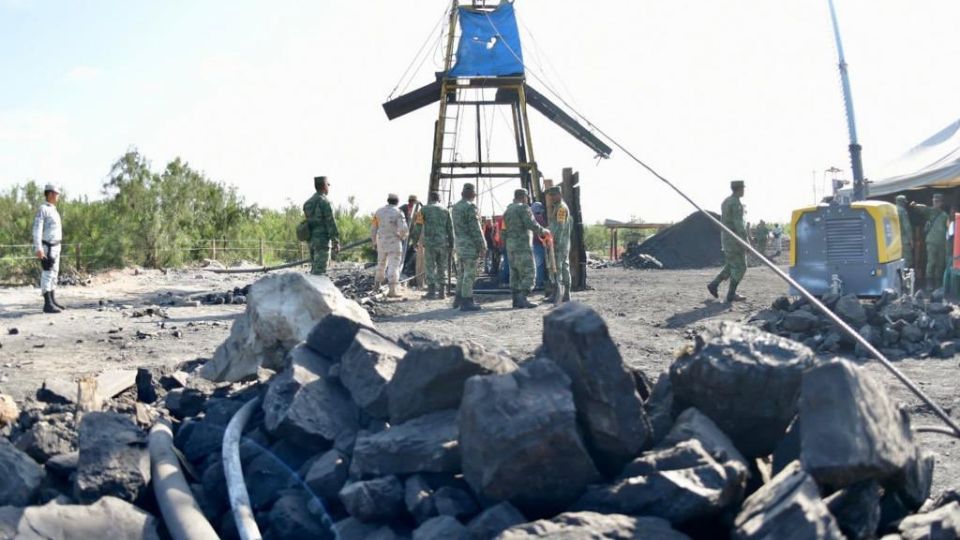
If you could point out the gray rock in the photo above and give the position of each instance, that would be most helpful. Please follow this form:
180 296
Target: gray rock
290 519
146 390
281 311
266 476
441 528
800 321
21 476
379 500
850 430
107 518
694 425
914 482
942 523
47 439
418 497
901 309
201 440
425 444
333 334
455 502
495 520
851 310
302 355
113 458
430 378
304 407
731 369
659 408
326 476
788 506
911 333
519 439
185 402
593 526
367 367
608 407
679 484
857 509
352 528
63 466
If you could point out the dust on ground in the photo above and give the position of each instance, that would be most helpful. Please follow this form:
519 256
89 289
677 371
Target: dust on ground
651 314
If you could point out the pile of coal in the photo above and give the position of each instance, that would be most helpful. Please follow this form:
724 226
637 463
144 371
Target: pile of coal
358 434
692 243
898 325
236 296
633 258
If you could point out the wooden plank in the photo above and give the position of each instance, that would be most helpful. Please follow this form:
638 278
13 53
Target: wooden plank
112 383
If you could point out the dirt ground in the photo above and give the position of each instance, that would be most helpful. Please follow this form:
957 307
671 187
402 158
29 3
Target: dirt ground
651 314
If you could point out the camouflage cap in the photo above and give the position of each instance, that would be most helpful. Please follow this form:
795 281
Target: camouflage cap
468 187
553 190
736 184
517 193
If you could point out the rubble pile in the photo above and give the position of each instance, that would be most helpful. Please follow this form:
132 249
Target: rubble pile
692 243
356 435
633 258
898 325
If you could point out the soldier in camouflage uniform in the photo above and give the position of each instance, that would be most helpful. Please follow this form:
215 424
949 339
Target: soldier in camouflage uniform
561 227
434 223
323 226
935 240
470 246
734 257
518 223
906 231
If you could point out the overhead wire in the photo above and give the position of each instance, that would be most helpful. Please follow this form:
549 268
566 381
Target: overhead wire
807 295
420 52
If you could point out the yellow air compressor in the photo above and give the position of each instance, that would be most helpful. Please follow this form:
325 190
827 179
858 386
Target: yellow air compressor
847 248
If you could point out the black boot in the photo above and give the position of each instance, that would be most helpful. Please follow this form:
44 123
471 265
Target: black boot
566 295
732 295
442 292
520 301
53 300
469 305
712 288
513 297
457 301
48 306
431 292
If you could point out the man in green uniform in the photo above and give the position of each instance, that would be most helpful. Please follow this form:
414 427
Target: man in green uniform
734 257
561 227
470 246
906 231
518 223
935 239
762 233
433 222
323 226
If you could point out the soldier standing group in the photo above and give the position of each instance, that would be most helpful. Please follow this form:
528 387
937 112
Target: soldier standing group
456 229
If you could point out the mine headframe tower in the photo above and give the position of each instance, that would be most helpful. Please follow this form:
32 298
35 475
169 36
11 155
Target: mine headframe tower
488 56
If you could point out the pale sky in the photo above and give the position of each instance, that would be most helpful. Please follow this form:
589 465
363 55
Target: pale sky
265 95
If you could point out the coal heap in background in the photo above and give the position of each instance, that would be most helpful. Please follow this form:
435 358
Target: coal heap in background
692 243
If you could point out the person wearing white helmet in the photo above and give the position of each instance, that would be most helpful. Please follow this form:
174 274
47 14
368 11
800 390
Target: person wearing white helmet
47 235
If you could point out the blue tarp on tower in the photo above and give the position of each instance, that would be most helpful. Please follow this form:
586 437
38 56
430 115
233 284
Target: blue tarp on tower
489 43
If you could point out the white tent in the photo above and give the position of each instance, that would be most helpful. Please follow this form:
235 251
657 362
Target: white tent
934 163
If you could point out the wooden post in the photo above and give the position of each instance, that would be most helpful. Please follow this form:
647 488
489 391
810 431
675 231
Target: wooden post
261 252
213 243
578 253
77 250
302 254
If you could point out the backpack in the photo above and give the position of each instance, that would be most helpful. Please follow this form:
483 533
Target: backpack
303 231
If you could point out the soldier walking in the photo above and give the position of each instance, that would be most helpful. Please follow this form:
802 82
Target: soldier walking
561 227
323 226
470 246
388 231
906 231
935 241
734 257
47 235
434 223
518 223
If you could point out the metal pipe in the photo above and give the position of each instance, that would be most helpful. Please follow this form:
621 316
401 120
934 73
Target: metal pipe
181 513
856 161
247 528
265 269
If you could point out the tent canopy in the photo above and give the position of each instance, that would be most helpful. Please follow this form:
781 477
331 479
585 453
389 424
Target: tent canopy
934 163
489 43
